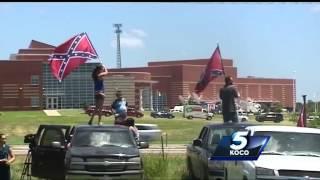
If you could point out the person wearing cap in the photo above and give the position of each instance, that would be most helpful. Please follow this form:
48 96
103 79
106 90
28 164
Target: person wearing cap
97 75
119 107
6 158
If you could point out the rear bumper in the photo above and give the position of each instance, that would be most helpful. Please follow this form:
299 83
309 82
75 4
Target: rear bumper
86 175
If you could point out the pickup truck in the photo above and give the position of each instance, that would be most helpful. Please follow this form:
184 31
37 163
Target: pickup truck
203 147
85 152
291 153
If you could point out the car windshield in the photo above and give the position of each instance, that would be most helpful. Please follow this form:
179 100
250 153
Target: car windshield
292 143
105 138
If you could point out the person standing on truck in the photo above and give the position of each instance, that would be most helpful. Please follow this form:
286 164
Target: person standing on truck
227 95
6 158
97 75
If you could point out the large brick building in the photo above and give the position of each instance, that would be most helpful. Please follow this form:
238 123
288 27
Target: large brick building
180 77
27 83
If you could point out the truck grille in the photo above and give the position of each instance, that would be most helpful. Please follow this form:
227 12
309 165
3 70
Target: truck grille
105 168
299 173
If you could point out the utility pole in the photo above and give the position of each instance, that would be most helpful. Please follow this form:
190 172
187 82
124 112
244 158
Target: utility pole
118 31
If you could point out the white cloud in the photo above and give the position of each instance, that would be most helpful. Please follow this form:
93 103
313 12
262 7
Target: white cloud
139 32
315 8
130 39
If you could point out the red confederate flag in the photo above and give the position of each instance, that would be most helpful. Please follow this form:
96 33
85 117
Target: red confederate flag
70 55
213 70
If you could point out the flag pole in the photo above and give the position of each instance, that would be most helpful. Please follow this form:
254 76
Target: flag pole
224 75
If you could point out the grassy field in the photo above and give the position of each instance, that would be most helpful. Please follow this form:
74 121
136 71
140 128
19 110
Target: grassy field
173 167
179 130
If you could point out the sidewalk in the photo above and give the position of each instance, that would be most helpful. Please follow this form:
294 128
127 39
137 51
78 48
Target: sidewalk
52 112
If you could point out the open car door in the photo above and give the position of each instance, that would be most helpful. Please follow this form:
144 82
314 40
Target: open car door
49 151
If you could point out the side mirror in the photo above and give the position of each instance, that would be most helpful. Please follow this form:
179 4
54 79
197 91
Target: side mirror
56 144
29 138
197 142
143 145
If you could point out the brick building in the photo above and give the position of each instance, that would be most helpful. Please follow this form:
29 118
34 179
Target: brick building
180 77
27 83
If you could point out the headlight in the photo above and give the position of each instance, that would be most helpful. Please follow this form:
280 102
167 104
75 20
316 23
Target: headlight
264 171
137 165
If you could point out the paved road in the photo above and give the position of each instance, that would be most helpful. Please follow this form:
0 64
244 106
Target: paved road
153 149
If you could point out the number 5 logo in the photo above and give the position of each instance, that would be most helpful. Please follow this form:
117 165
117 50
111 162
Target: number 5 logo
239 137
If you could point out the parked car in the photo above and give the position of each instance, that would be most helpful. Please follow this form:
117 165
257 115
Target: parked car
271 116
135 113
177 109
311 118
105 111
196 111
291 153
162 114
148 132
204 146
242 116
93 152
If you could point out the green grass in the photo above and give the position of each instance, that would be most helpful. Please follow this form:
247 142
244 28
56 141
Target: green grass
173 167
179 130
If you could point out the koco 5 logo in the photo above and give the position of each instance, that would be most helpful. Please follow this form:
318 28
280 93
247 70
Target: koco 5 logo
240 146
239 142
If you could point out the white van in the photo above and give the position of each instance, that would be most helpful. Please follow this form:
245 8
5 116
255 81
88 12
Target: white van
196 111
177 109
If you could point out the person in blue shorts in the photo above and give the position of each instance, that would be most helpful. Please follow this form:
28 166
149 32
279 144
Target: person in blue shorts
97 75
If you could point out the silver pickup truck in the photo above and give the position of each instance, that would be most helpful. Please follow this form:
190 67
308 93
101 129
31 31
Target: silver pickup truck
201 150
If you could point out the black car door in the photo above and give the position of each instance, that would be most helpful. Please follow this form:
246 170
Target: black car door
49 151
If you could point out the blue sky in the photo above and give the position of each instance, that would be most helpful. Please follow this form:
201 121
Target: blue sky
272 40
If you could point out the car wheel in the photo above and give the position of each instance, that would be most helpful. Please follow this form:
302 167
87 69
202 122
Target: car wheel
189 117
138 116
276 121
107 114
243 120
209 118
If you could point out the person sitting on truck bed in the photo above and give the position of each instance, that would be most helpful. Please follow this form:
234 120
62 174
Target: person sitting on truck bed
131 124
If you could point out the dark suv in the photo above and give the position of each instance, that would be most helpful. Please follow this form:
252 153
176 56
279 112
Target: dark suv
85 152
270 116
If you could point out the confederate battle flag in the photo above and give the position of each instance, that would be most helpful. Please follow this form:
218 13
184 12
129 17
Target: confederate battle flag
213 70
70 55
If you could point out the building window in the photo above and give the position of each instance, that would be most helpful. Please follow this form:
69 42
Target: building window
34 101
35 79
